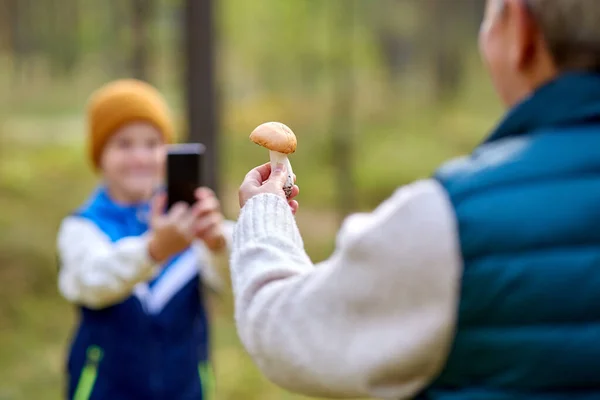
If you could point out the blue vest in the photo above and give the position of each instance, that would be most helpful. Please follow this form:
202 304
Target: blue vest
152 345
528 208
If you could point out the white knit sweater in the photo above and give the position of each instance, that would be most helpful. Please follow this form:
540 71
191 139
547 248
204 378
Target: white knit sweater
375 320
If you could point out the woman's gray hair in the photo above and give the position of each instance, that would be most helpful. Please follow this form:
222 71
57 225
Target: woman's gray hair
571 29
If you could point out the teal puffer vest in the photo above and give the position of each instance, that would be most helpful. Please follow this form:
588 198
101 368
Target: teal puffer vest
528 207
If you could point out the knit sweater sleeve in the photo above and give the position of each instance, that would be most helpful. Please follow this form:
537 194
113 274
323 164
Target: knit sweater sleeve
95 272
374 320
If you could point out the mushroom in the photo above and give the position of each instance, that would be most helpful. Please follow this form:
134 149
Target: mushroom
280 141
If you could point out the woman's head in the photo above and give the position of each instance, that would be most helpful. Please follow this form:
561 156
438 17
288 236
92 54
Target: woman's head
129 125
525 43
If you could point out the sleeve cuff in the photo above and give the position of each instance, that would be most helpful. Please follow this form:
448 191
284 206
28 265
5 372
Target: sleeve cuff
137 250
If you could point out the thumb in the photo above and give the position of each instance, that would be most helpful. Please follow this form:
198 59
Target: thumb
278 175
158 205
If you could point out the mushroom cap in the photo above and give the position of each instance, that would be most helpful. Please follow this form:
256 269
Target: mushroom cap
275 136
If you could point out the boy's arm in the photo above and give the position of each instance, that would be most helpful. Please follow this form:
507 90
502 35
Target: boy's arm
214 265
375 320
95 272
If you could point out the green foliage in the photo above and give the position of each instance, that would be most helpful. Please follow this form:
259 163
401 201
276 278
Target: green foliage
277 61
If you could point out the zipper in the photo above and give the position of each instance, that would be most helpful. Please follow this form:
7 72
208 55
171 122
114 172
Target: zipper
207 380
89 373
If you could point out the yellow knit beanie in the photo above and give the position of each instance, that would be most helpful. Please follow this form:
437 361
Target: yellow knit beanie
119 103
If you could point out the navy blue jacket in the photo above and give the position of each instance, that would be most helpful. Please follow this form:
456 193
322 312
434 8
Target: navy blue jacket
146 347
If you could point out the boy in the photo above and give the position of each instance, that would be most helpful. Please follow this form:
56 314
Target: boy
481 283
135 271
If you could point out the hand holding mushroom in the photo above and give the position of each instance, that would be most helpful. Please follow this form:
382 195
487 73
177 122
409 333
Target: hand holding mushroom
277 176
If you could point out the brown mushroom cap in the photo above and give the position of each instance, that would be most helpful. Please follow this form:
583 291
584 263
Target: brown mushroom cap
275 136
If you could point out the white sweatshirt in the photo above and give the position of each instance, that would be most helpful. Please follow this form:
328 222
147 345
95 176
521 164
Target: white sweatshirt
377 319
98 273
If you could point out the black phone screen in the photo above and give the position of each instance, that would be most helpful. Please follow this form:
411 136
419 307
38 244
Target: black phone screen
184 172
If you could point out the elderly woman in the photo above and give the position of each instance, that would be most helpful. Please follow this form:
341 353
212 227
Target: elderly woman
482 282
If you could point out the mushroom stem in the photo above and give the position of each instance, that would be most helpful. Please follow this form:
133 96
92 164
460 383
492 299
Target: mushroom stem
276 158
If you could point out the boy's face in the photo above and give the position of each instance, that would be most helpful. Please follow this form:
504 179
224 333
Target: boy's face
133 162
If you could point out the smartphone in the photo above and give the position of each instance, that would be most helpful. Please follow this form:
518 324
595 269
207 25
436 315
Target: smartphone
184 172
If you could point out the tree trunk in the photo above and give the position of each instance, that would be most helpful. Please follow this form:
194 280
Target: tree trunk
141 22
443 31
22 41
199 84
342 127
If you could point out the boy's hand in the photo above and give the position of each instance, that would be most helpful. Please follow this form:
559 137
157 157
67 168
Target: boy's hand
172 232
208 225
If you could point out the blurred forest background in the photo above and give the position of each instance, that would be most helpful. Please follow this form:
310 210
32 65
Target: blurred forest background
379 92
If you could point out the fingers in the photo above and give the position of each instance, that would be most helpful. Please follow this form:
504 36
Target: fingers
209 223
205 215
179 216
295 192
157 207
293 203
203 193
257 176
264 171
278 175
294 206
252 181
207 202
206 206
177 212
